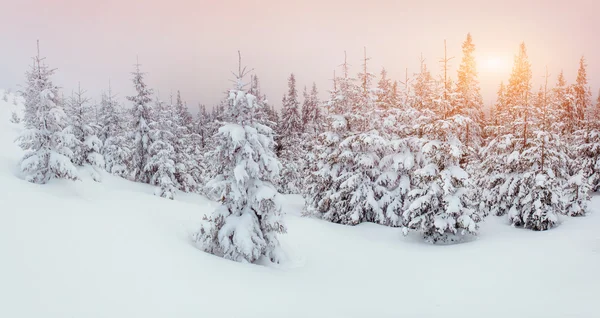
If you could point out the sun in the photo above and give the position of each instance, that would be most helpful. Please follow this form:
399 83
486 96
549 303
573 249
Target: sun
494 64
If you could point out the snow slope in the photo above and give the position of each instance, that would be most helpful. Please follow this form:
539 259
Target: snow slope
112 249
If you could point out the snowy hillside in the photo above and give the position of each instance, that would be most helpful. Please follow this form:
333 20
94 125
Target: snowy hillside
113 249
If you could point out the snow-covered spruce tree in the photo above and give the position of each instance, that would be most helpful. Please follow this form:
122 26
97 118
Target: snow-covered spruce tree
311 111
313 123
470 102
141 131
324 169
440 205
200 143
539 194
290 141
245 227
386 92
343 188
116 147
524 172
582 92
160 165
422 95
185 143
87 147
46 143
399 162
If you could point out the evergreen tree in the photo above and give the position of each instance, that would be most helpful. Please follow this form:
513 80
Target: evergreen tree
160 165
87 148
518 94
290 140
113 126
563 100
141 131
311 111
582 92
422 97
342 185
525 171
385 92
246 225
185 144
469 96
46 142
440 204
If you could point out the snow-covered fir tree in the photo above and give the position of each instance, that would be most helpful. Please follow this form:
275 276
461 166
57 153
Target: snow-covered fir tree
245 227
525 171
582 92
46 141
440 206
311 111
87 147
469 96
422 96
290 141
399 162
342 185
386 96
161 164
141 112
116 146
185 143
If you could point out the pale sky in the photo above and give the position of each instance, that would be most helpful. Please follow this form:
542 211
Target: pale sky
191 45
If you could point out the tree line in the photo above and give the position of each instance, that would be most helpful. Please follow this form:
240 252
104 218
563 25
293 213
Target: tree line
419 155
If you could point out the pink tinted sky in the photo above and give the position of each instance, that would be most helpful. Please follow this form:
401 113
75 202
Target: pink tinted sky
191 45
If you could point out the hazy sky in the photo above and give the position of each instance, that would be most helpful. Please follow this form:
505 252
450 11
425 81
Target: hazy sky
191 45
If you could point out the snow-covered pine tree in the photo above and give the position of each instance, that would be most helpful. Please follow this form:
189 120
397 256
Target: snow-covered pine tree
116 147
470 102
399 162
524 172
185 144
87 147
312 119
311 111
141 131
245 227
440 206
582 92
495 124
290 141
422 96
45 140
161 165
385 94
197 147
563 99
440 202
344 188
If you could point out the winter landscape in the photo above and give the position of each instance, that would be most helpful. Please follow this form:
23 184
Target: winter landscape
371 197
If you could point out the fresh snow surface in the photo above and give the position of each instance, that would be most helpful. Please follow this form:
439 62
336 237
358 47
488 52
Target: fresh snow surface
113 249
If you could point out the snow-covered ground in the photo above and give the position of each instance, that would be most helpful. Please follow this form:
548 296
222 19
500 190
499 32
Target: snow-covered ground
113 249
